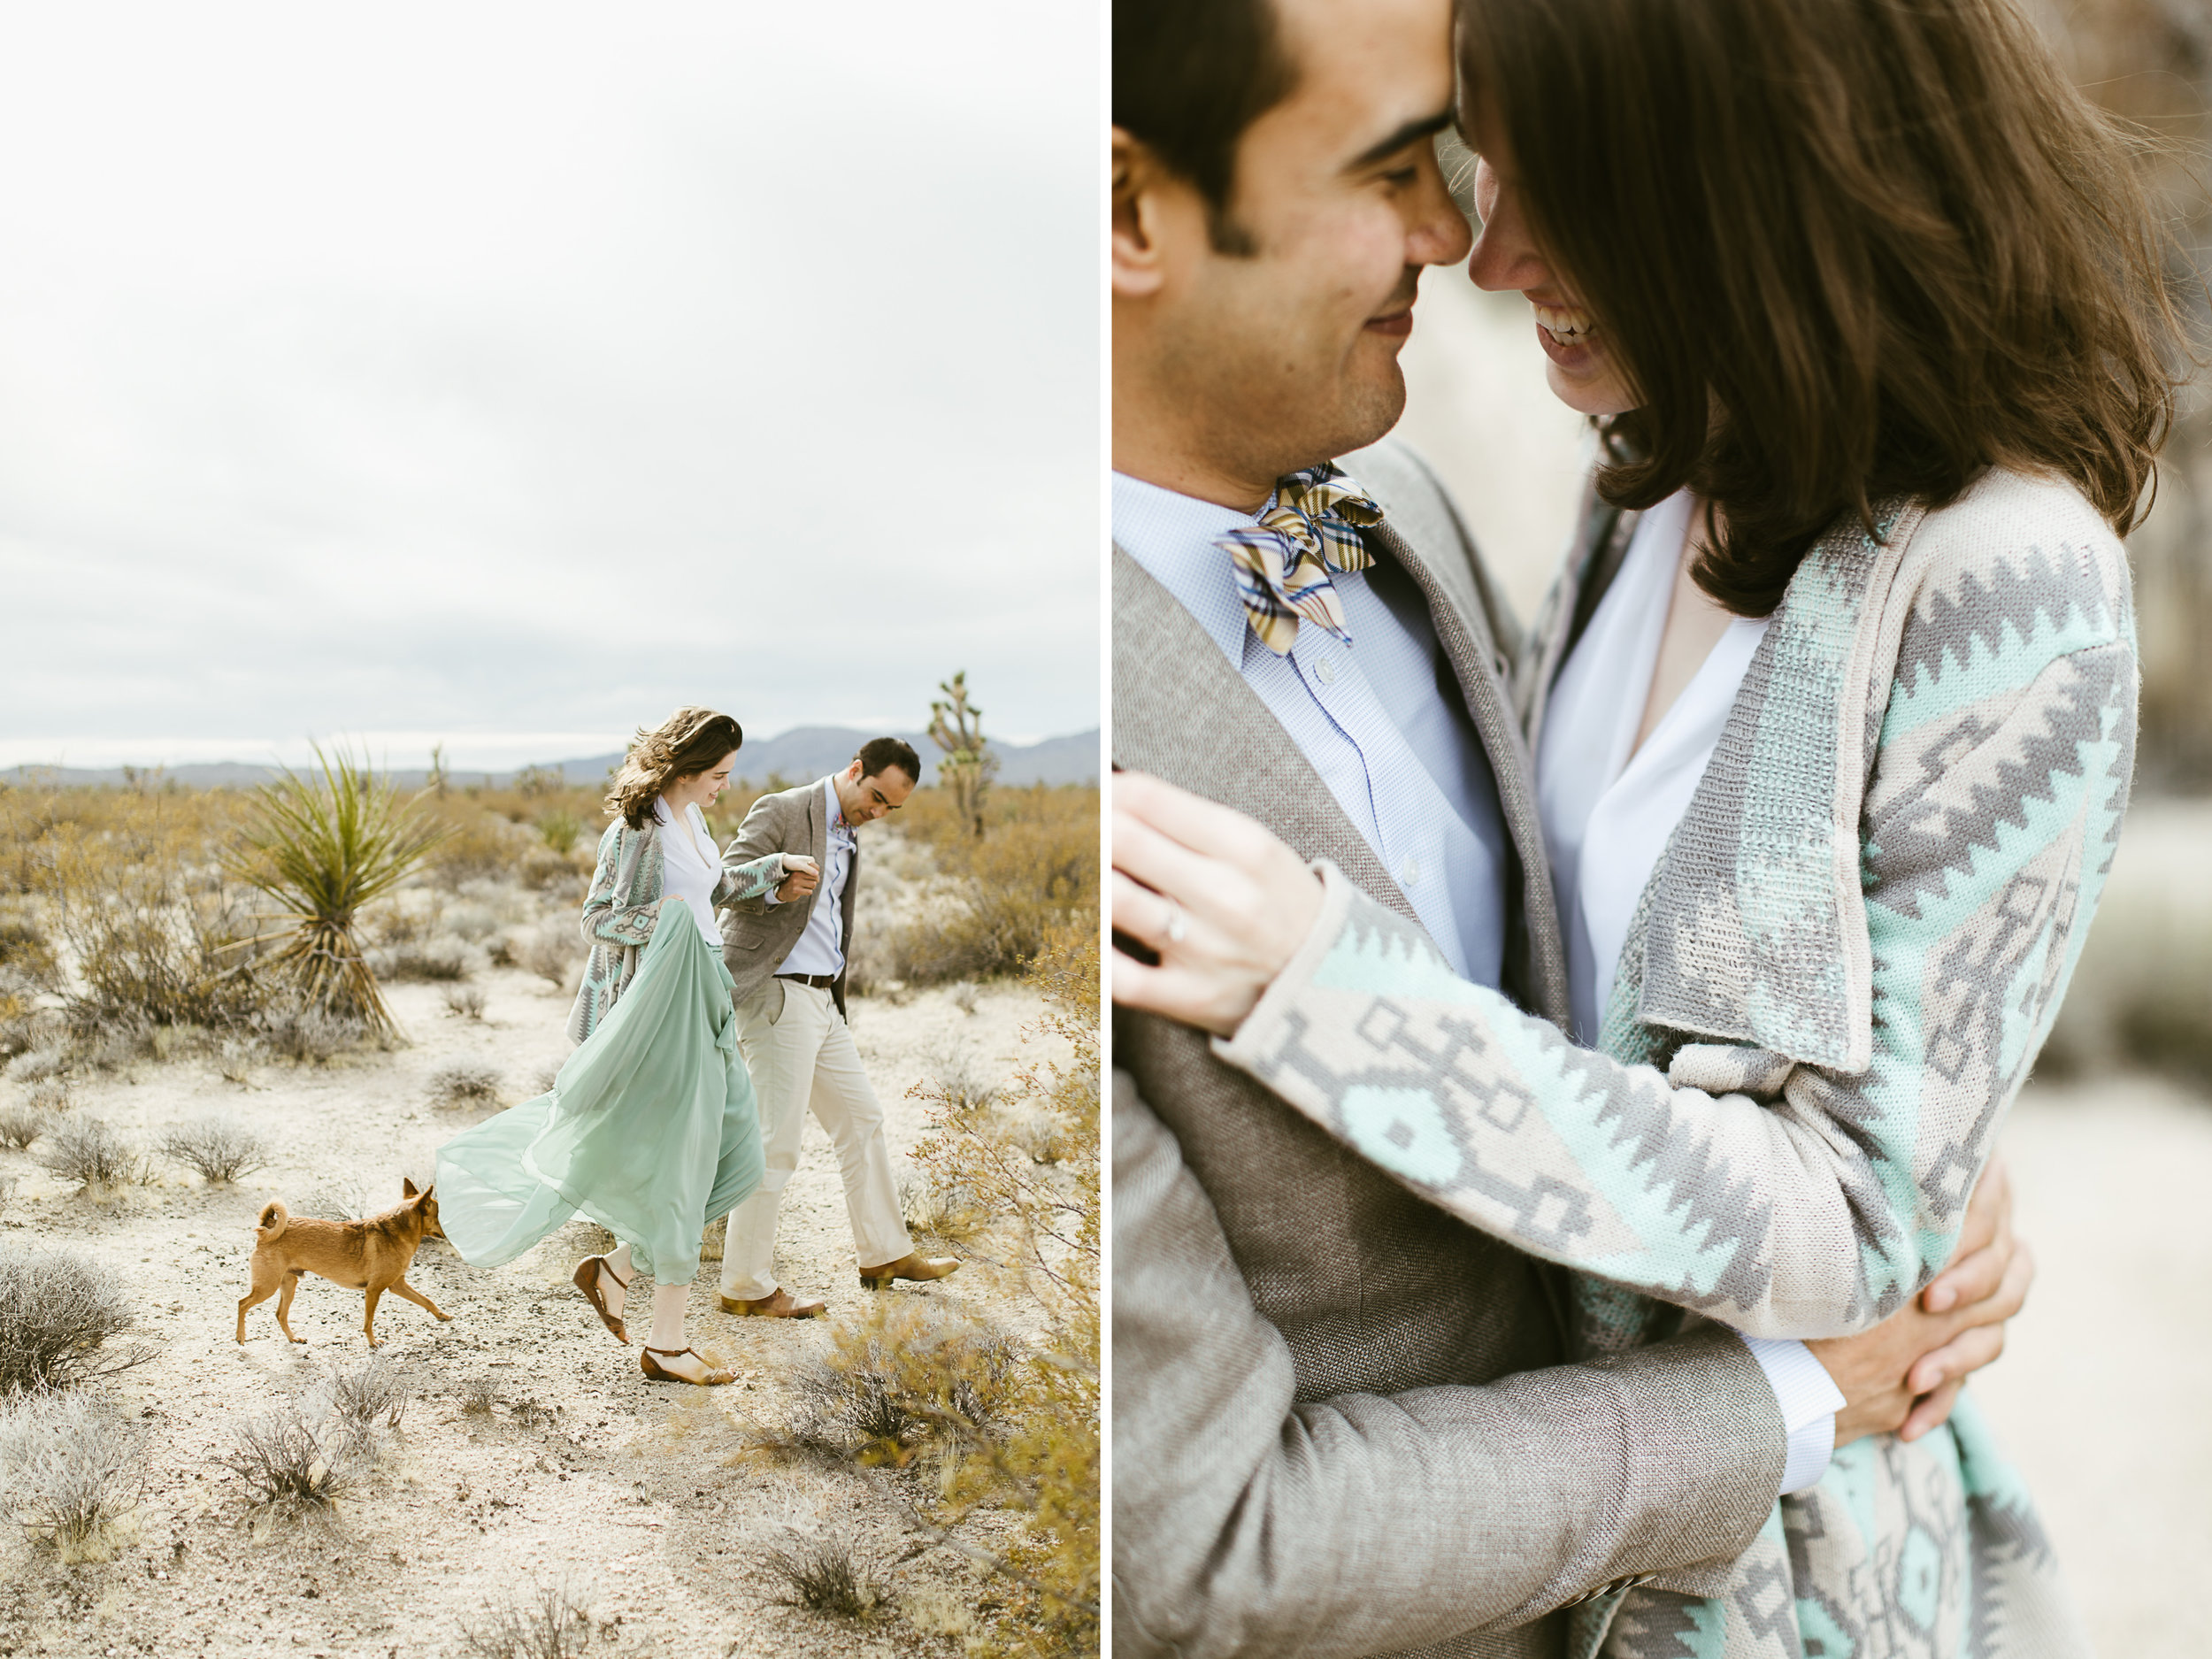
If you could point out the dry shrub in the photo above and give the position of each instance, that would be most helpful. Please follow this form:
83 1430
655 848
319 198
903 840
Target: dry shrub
293 1468
367 1398
465 1083
549 1622
823 1573
465 1001
38 1064
22 1123
904 1376
220 1149
444 959
478 847
1034 872
26 957
1036 1451
554 955
478 1396
168 964
60 1313
309 1035
71 1468
953 1214
86 1151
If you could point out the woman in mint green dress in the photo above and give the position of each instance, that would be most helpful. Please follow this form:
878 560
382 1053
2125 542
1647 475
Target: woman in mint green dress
650 1127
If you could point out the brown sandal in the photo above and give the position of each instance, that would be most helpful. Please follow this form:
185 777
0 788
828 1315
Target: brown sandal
656 1372
586 1279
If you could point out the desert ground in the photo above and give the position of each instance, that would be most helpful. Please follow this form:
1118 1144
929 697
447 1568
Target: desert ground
644 1502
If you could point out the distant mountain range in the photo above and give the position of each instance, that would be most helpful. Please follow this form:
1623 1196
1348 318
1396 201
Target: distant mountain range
797 756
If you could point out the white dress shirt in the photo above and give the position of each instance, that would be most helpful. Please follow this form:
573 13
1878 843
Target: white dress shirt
820 949
1607 816
1381 720
689 868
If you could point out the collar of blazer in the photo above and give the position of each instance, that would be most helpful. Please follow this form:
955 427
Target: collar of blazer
1764 869
1184 713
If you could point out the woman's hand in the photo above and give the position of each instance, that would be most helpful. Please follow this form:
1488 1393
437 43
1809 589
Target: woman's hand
803 876
1221 902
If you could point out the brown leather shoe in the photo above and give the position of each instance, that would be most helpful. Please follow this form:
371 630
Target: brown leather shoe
779 1306
919 1268
712 1376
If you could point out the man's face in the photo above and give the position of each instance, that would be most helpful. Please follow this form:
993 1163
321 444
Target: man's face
865 800
1287 354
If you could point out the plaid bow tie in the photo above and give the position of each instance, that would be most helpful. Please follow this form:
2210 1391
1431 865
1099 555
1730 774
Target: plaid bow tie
1283 561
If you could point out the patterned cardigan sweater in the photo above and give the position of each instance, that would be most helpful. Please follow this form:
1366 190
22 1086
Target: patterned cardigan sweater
618 917
1834 987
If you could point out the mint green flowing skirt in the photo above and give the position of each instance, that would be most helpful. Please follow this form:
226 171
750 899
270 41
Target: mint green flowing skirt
650 1128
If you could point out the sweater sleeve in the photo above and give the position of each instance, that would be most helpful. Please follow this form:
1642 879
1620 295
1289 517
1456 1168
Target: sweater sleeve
609 915
1788 1199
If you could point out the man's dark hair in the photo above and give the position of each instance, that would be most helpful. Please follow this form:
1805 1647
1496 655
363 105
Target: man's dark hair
879 752
1189 77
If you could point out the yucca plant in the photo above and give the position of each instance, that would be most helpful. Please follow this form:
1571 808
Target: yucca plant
323 846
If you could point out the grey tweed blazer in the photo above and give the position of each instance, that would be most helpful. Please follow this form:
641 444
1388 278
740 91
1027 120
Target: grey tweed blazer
1343 1422
756 935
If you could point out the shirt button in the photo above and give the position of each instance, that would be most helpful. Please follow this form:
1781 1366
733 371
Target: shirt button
1412 872
1325 671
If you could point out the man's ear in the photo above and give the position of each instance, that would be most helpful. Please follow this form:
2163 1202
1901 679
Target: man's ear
1137 254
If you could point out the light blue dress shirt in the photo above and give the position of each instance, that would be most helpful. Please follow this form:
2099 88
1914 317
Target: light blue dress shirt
819 950
1381 720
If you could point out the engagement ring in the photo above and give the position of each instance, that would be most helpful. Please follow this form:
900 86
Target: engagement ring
1174 924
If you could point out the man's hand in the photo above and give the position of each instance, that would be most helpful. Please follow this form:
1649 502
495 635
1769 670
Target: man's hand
799 882
1903 1375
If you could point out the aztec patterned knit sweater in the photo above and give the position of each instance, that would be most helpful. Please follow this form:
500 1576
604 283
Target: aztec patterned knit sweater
1837 980
618 914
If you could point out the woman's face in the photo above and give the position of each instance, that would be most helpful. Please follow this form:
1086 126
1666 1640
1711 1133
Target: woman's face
1581 372
699 788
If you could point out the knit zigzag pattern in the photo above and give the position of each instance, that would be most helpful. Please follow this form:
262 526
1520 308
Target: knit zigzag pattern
1835 985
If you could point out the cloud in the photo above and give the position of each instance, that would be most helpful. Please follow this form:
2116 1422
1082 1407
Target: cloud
517 370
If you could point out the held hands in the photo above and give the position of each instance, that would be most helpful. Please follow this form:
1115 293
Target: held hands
803 876
1903 1375
1220 901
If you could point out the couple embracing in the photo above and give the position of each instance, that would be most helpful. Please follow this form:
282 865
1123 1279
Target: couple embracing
1557 1075
701 1047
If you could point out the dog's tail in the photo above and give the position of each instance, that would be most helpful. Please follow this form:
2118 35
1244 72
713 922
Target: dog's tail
274 1218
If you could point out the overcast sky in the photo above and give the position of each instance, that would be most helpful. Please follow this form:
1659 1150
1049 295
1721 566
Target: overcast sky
508 374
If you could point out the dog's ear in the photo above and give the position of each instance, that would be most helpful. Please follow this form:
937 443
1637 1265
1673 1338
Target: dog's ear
407 1187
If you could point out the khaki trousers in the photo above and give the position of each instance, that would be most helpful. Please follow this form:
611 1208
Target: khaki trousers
805 1056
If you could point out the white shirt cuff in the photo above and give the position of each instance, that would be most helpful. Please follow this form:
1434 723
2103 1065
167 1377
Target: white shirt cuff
1809 1399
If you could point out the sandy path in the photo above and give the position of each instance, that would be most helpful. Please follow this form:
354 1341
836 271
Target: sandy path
638 1494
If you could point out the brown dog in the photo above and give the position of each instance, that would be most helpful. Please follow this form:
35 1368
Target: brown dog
370 1256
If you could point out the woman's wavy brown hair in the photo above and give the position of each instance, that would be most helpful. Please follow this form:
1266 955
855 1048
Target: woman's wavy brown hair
687 742
1843 249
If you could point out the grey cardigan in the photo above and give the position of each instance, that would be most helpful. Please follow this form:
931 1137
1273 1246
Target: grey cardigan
1343 1423
619 915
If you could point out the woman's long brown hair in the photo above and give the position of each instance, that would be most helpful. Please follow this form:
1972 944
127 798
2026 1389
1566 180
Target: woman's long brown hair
1844 249
687 742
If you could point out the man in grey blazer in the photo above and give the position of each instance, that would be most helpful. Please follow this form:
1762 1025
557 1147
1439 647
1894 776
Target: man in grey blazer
786 953
1343 1423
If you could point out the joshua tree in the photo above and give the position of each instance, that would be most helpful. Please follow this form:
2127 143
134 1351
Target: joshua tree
323 847
956 725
